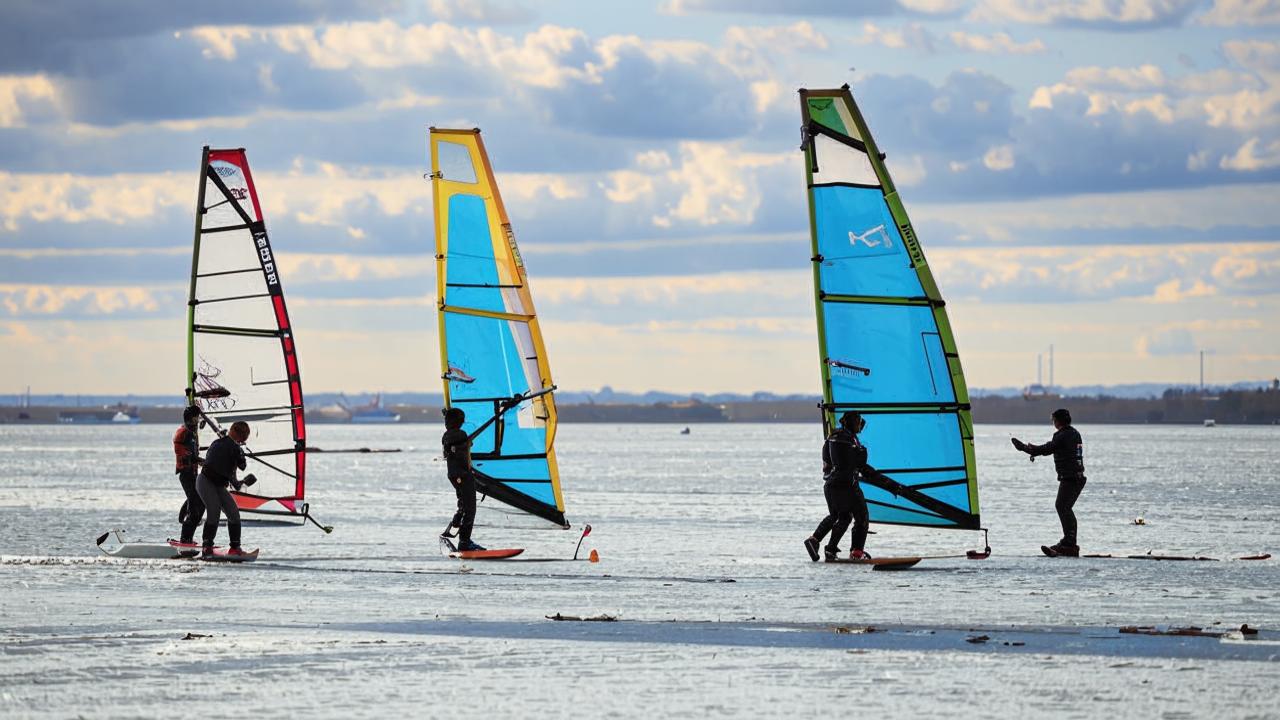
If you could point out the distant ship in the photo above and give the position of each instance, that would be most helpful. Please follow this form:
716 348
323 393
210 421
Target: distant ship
119 414
372 413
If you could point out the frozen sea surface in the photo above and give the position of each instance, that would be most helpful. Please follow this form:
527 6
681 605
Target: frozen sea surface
719 611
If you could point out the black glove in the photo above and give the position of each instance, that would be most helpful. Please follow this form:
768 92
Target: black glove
249 479
1019 444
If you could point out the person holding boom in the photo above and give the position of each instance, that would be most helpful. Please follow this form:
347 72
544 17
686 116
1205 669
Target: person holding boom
1067 449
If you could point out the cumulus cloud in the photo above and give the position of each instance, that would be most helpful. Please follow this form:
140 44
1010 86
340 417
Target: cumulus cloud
1168 274
55 34
1167 341
1250 157
833 8
481 12
1125 15
915 36
26 97
999 43
1242 12
718 185
86 302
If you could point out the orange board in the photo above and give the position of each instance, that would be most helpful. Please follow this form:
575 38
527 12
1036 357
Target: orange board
486 554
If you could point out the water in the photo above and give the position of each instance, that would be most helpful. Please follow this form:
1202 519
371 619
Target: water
721 612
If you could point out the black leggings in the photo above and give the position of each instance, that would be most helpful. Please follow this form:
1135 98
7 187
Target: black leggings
465 487
217 501
845 504
193 509
1068 493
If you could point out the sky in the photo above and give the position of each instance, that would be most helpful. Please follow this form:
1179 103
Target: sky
1099 175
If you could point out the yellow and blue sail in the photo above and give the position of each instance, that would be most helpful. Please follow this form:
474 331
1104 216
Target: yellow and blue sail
885 343
492 358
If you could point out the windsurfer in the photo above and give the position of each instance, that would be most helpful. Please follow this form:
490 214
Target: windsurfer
1067 449
221 461
457 454
186 449
844 459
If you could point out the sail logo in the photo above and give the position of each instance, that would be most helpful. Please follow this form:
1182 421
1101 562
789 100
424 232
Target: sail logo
264 254
232 178
876 237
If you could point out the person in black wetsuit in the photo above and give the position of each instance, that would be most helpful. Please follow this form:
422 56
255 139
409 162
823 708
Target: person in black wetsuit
221 461
186 450
457 454
844 459
1067 449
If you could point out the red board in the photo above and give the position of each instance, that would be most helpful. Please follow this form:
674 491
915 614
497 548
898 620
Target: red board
223 556
486 554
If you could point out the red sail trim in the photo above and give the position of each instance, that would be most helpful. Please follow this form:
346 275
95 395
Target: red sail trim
253 189
282 317
238 158
247 502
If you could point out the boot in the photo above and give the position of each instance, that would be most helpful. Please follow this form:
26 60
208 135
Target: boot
811 546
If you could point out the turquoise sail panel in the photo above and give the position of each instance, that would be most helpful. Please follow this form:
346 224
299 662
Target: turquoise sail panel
886 346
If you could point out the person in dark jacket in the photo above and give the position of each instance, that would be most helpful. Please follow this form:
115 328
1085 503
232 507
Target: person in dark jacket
457 454
1067 449
186 450
221 461
844 459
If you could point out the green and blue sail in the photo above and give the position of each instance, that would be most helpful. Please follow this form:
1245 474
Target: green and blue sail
884 340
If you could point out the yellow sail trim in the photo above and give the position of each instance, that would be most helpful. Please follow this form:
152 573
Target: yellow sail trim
510 268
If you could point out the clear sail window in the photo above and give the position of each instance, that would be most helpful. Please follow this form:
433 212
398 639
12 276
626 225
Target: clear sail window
838 162
455 162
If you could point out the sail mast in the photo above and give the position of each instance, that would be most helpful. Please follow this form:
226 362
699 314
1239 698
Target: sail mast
195 266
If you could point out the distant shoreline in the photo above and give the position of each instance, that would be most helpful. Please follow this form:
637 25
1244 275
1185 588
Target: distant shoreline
1251 407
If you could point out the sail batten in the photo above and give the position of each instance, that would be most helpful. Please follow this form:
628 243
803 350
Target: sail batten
492 359
241 360
885 343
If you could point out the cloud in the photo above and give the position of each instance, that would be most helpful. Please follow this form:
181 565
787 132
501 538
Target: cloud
1167 341
830 8
26 97
917 37
85 302
910 36
481 12
718 185
1167 274
999 43
1248 158
1117 15
1242 12
53 34
999 158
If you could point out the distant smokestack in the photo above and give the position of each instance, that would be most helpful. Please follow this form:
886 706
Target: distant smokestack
1201 371
1051 367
